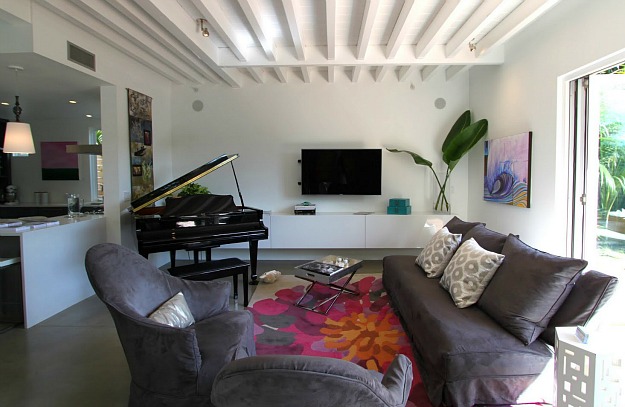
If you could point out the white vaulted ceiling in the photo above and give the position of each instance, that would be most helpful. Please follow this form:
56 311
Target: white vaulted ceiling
293 40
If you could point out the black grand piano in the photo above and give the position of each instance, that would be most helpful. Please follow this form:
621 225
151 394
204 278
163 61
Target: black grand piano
197 222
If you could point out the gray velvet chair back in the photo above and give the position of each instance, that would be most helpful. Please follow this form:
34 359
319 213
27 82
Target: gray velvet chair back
165 363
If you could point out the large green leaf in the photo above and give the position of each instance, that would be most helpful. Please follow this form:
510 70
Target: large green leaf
416 157
463 142
463 122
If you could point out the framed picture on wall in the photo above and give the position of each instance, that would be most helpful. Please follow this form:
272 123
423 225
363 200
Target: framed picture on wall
507 170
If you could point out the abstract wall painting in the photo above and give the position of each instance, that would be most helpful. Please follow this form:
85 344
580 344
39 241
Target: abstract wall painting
140 131
507 170
56 163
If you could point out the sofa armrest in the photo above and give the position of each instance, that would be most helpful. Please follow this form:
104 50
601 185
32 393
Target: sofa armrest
309 381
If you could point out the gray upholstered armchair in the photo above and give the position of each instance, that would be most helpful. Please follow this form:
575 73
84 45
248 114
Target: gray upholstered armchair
169 366
214 357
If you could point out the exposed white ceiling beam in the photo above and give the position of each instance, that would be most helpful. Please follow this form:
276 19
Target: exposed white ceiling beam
281 73
258 74
381 71
91 25
455 70
140 18
474 25
171 16
134 34
306 74
252 13
405 72
521 17
446 15
428 71
216 17
401 29
371 8
294 28
331 28
356 73
331 74
316 56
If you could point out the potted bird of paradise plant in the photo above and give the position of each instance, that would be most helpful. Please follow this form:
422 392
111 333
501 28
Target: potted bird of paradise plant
461 138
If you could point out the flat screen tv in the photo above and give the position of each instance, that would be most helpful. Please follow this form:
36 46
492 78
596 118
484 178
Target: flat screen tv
342 172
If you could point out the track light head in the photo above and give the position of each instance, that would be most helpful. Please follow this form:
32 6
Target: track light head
203 30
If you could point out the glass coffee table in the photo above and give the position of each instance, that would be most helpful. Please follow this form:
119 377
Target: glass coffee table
326 272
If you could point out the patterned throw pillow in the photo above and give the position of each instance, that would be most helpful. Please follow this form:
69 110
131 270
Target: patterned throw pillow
436 254
469 272
174 312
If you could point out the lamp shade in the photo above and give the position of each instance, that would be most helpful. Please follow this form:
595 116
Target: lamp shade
18 138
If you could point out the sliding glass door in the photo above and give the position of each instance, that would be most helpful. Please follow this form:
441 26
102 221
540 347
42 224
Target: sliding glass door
597 121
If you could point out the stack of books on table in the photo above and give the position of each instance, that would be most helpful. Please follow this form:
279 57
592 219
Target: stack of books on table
305 208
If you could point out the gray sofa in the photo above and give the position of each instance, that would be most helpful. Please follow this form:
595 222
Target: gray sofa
501 348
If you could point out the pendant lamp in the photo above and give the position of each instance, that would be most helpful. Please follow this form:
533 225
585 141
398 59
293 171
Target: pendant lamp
18 138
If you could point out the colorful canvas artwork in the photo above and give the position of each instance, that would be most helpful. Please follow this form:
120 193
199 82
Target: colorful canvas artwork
507 164
140 129
56 163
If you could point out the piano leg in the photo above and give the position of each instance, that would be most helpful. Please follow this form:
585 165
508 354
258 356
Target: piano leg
172 258
253 261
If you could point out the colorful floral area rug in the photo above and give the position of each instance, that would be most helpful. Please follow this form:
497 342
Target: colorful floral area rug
362 329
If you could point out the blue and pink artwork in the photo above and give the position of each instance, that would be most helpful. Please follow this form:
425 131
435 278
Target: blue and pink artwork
507 170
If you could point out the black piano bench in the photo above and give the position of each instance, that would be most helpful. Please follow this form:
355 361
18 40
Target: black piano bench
210 270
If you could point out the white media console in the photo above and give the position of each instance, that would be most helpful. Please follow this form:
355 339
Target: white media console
347 230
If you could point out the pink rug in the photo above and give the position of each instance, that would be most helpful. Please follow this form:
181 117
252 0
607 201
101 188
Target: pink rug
362 329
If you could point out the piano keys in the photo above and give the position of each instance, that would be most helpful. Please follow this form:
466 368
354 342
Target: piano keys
197 222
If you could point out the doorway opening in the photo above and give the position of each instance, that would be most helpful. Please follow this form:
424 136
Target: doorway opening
597 121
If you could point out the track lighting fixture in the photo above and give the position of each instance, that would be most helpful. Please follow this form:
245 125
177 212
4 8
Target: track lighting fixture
472 45
203 30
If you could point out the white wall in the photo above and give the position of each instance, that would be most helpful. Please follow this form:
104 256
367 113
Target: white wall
523 95
268 125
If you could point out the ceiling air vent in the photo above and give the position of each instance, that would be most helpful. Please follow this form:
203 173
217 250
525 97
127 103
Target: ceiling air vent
80 56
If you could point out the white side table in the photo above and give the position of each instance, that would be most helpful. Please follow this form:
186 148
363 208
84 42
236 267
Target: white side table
591 374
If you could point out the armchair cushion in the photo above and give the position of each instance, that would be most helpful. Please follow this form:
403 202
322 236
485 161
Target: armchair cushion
308 381
174 312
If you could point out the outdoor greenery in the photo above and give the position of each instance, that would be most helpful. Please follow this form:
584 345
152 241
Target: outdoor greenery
611 159
461 138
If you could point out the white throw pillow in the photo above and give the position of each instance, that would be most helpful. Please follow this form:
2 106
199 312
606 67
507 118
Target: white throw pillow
174 312
436 254
469 272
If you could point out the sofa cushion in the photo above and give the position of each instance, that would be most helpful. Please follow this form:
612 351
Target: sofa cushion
528 288
457 225
590 292
486 238
469 272
436 254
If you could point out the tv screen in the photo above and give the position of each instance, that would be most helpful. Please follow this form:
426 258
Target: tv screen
342 172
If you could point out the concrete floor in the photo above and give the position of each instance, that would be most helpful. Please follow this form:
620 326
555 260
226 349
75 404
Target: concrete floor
75 358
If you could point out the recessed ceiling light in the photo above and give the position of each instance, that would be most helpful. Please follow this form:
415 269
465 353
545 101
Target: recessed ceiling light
73 102
88 115
4 103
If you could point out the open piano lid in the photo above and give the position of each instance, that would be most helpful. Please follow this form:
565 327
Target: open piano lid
167 189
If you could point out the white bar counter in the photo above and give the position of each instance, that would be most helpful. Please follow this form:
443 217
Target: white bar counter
53 263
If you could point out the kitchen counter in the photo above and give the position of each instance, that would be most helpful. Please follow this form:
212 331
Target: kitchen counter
52 263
